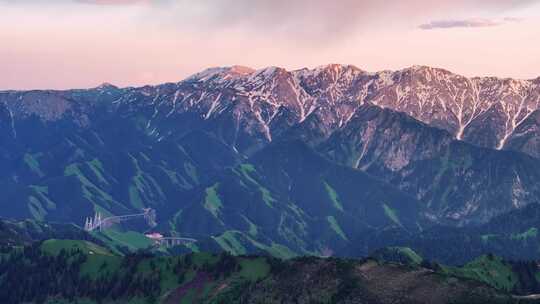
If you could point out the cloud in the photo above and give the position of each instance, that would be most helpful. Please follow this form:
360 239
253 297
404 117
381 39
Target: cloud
466 23
316 21
513 19
445 24
115 2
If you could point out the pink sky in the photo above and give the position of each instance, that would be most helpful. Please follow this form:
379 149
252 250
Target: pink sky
78 44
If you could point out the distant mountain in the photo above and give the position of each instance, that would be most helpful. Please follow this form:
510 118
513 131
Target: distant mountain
483 111
321 161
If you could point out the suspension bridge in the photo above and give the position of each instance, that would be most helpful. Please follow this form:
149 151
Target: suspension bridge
98 222
161 241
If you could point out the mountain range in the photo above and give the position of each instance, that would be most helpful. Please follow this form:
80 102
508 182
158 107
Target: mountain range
325 161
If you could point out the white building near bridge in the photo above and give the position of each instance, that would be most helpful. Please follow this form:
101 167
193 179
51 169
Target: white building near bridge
154 236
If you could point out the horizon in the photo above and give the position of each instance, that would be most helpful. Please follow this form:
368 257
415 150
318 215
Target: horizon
260 69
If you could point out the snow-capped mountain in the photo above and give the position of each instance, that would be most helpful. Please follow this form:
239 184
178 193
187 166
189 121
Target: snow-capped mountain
482 111
430 133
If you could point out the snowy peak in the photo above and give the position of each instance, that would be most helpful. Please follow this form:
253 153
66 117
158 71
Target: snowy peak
222 73
485 111
241 70
332 70
106 86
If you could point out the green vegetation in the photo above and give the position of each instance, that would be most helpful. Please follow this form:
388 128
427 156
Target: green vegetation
237 242
176 219
413 256
143 187
246 170
212 202
91 192
129 239
402 255
40 189
487 237
84 272
42 192
177 179
335 226
531 233
253 230
228 242
254 269
54 247
333 196
489 269
36 209
135 198
267 197
391 214
33 164
191 171
145 157
136 188
449 163
280 251
97 168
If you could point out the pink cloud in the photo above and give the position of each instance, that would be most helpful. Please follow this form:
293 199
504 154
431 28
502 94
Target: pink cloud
116 2
466 23
444 24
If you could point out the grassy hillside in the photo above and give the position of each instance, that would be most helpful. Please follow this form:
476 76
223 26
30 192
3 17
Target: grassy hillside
73 271
402 255
490 269
521 277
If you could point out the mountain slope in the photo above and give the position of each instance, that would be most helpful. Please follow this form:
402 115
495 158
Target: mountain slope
84 271
526 136
513 236
457 181
290 196
113 168
234 155
20 233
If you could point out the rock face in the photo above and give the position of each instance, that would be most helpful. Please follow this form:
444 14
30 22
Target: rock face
483 111
525 137
430 135
452 177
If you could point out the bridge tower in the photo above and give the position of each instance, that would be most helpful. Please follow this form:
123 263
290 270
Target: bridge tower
97 221
88 224
101 223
